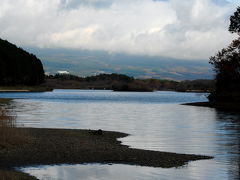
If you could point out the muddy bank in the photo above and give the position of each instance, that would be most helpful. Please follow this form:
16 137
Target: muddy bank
64 146
223 106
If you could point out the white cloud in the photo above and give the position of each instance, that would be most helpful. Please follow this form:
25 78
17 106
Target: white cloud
190 29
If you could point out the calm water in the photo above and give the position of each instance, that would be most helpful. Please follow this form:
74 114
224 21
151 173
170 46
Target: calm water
155 121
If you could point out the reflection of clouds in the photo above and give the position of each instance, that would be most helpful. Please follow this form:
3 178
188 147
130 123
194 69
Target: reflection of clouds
28 112
198 170
176 128
26 106
205 170
64 172
98 172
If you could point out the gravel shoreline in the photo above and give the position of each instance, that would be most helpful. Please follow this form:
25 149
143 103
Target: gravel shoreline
68 146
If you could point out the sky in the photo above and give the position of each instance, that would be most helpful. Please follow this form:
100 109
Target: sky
181 29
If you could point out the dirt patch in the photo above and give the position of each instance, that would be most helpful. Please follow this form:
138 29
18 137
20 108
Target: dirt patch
223 106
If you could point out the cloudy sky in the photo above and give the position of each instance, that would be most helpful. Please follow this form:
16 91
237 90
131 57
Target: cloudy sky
186 29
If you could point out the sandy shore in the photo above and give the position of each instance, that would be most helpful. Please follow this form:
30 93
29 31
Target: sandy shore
19 89
14 90
64 146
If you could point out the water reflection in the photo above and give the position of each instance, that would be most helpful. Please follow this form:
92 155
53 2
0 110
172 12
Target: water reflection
119 172
230 123
155 121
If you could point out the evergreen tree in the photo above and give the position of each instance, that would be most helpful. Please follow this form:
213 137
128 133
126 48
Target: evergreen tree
18 67
226 64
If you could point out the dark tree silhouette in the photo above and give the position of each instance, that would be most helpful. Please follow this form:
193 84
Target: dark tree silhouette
18 67
113 76
235 22
226 64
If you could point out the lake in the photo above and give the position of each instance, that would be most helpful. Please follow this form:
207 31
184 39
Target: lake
155 120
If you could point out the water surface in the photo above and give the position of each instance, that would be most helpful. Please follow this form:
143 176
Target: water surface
155 120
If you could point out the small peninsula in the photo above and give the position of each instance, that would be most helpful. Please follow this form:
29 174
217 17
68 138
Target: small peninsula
64 146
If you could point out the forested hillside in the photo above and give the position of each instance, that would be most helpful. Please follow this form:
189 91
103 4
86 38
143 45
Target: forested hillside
121 82
18 67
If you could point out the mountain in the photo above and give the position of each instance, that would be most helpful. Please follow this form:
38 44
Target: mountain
86 63
18 66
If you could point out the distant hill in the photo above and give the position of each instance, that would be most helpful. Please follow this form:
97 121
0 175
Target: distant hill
18 67
89 63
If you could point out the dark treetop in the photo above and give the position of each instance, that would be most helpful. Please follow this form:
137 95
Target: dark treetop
226 64
18 67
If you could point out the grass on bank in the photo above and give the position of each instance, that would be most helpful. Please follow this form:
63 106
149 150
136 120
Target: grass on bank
5 100
9 133
10 136
14 175
24 89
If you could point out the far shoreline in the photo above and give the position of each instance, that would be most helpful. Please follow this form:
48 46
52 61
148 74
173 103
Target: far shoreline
45 89
23 89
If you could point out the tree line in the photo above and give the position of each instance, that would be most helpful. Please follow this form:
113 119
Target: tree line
123 82
18 67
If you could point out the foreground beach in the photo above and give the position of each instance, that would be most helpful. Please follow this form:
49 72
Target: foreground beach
64 146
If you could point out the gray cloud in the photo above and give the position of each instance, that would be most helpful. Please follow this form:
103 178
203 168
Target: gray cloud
74 4
190 29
